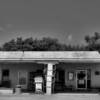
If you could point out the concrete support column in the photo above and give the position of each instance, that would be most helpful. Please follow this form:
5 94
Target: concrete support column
0 75
49 78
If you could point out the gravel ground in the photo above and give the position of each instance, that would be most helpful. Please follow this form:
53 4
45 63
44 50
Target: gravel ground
66 96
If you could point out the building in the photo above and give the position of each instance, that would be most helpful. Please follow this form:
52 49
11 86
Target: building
61 70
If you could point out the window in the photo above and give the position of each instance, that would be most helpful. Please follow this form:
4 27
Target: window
5 72
70 76
22 75
5 78
97 72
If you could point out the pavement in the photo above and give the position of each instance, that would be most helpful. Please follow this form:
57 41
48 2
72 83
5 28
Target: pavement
58 96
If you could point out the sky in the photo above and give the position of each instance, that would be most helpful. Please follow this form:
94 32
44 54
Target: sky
67 20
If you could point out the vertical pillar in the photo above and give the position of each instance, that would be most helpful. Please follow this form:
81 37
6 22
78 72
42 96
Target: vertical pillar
0 75
49 78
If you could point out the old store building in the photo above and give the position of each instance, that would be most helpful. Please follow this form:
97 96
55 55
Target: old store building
61 70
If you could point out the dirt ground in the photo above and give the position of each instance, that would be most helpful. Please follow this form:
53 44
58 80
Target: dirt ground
65 96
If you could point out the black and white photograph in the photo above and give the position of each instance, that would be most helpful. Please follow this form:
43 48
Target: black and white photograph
49 49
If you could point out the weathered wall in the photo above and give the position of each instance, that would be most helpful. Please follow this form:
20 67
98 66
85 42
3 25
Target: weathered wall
14 68
95 79
68 67
72 67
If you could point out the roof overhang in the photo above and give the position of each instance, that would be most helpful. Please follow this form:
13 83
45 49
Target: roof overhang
60 56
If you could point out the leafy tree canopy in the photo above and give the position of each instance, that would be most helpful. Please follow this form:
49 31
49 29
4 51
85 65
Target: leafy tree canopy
44 44
93 42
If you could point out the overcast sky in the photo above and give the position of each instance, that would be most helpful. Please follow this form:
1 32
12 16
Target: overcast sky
67 20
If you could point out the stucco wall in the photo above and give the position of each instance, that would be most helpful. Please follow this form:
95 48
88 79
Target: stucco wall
95 79
72 67
14 68
68 67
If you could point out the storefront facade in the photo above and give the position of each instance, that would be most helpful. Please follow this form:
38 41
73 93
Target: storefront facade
61 71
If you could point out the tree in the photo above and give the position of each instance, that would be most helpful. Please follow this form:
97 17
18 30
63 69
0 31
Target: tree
93 42
19 44
9 46
43 44
28 44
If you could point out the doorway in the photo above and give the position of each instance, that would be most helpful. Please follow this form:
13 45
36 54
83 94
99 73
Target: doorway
31 82
31 85
5 78
59 80
81 79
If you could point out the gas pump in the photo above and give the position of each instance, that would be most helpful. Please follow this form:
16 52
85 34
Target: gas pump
38 84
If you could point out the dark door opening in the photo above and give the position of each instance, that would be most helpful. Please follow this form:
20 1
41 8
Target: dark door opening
31 82
31 86
88 79
5 78
59 80
81 79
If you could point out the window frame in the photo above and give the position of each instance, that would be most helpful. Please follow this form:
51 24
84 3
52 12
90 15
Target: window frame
26 77
97 73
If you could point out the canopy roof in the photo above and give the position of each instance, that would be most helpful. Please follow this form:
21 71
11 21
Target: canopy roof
66 56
